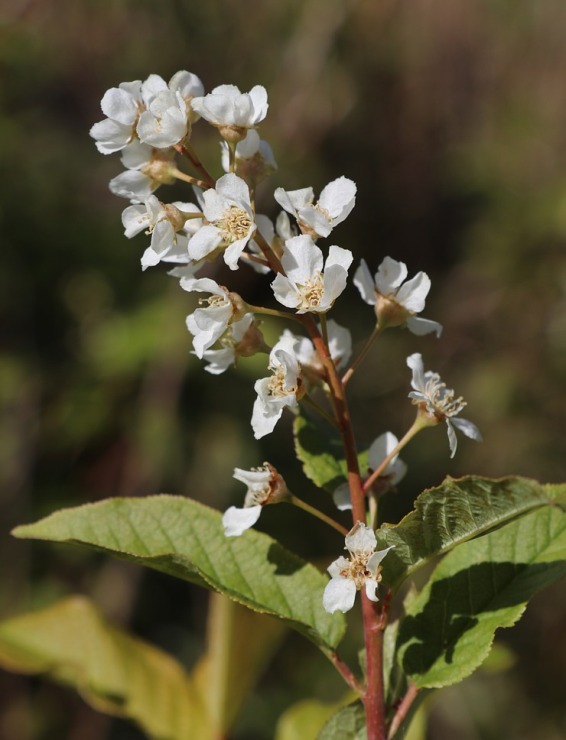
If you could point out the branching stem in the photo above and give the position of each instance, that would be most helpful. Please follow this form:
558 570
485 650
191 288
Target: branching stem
318 514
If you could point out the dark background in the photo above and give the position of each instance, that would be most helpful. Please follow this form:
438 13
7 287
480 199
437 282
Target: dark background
451 118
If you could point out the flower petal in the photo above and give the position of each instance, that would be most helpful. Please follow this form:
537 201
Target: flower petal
420 327
236 521
339 595
364 282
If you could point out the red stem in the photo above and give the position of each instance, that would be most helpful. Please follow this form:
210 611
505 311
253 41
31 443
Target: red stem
373 615
403 708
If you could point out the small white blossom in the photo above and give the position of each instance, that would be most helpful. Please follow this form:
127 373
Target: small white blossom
361 570
146 169
243 338
283 388
165 223
122 106
394 471
309 285
396 299
265 486
232 111
230 221
438 403
167 118
208 324
318 219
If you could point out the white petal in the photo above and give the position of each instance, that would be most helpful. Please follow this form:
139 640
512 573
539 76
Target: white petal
258 95
371 588
415 363
264 418
134 220
339 256
339 595
232 187
338 198
316 220
150 258
376 559
133 185
341 497
467 428
219 360
302 259
285 292
390 275
119 105
335 280
364 282
235 521
361 539
413 293
293 200
380 448
233 252
420 327
255 479
452 439
339 343
205 241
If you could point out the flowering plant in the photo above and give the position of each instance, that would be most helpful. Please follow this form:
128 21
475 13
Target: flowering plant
502 540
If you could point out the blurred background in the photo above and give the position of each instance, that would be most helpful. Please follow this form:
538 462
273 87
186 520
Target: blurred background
451 118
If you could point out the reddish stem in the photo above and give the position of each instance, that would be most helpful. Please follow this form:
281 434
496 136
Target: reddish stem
403 708
373 614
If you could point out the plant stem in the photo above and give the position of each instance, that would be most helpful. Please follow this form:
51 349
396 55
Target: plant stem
187 151
415 429
351 679
361 356
188 178
273 312
318 514
373 616
402 709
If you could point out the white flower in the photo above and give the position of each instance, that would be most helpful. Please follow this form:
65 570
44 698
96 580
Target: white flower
394 471
308 285
231 111
243 338
122 106
396 301
361 570
208 324
228 211
165 223
167 118
283 388
339 345
254 158
147 169
318 219
265 486
437 402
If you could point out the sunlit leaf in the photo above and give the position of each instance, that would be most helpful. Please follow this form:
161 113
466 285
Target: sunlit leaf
186 539
456 511
480 586
71 643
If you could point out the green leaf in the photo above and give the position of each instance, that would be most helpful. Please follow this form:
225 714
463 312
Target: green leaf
480 586
116 673
456 511
186 539
347 724
322 454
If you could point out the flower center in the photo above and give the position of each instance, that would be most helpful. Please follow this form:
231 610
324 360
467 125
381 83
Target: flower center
311 291
235 224
357 571
441 400
277 386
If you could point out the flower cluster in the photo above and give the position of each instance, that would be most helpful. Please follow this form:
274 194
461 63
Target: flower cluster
150 124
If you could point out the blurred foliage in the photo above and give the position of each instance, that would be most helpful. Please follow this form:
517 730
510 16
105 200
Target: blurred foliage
450 116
